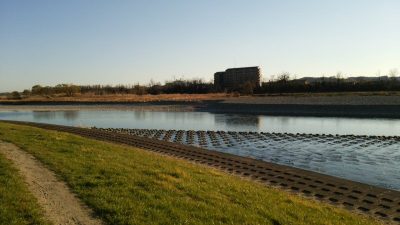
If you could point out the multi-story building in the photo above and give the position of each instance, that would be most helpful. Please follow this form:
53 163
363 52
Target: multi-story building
234 78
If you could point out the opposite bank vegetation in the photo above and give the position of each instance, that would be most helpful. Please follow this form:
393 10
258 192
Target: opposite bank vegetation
283 83
126 185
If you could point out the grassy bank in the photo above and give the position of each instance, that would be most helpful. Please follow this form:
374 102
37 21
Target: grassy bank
125 185
17 205
123 98
133 98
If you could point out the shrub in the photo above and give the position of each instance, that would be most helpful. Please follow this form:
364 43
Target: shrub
15 95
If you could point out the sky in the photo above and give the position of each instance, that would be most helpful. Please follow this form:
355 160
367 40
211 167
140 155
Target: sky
125 42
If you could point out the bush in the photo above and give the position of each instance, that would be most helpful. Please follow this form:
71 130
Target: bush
15 95
26 93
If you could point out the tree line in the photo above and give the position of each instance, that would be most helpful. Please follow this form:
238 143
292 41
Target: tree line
283 83
178 86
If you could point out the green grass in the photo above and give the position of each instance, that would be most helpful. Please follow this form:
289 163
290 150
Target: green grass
17 204
126 185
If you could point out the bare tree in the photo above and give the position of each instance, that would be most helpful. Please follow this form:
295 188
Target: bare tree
247 88
284 77
71 90
393 72
339 75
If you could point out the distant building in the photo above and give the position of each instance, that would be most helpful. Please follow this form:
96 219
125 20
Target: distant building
233 78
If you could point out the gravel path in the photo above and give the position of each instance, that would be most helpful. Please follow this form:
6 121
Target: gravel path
60 205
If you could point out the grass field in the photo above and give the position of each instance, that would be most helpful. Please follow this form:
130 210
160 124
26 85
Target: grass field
126 185
17 205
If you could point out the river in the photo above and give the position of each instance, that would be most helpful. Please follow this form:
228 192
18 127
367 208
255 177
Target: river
184 120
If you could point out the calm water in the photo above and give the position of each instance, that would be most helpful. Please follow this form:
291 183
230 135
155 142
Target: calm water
208 121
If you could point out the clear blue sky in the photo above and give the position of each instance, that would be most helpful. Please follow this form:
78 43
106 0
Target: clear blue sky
120 42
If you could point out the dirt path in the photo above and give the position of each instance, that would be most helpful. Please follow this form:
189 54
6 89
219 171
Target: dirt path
60 205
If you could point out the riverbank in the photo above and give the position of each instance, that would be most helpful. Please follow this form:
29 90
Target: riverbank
361 106
133 98
308 110
114 99
128 185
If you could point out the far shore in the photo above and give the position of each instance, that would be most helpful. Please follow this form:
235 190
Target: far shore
165 98
115 98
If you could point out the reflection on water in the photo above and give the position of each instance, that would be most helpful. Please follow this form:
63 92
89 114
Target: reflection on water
46 115
69 115
208 121
232 120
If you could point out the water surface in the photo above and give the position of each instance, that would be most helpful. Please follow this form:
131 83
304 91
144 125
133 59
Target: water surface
208 121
